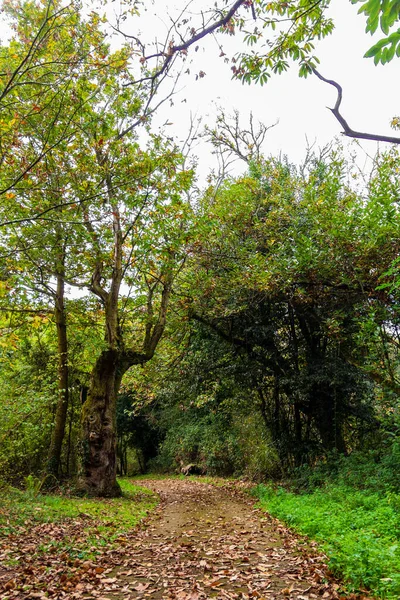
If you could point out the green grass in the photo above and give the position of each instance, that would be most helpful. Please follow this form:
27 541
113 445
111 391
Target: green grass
208 479
101 521
155 476
359 530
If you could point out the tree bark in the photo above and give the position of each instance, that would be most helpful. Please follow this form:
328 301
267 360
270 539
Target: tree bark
99 435
60 419
347 130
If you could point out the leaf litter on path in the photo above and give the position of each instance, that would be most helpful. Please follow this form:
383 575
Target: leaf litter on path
203 541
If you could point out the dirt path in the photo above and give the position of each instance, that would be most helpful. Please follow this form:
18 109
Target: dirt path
210 542
203 541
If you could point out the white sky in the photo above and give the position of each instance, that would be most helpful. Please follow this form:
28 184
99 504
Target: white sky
370 93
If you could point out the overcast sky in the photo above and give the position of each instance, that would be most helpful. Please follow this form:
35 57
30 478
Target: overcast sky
370 93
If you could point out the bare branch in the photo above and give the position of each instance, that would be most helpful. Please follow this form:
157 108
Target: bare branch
95 284
27 310
173 50
233 142
347 130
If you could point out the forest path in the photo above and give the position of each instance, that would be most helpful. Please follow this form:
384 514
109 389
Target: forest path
204 540
209 541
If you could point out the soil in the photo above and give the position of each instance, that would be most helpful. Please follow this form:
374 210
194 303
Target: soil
209 541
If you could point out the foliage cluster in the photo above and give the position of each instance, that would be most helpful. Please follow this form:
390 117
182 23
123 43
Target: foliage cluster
287 287
218 444
376 470
29 373
198 411
295 27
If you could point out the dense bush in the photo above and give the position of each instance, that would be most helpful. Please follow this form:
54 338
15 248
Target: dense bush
377 469
197 437
219 443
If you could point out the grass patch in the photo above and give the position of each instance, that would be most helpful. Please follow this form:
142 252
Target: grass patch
359 530
85 526
214 480
155 476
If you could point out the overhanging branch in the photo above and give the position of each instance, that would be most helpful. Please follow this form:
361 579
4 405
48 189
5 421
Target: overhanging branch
168 55
347 130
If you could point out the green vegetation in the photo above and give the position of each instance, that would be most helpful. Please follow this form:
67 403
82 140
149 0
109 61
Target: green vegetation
90 525
247 328
354 515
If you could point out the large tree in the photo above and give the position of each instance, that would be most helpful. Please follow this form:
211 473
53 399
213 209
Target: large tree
104 212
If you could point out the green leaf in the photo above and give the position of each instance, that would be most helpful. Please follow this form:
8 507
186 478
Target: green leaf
375 48
391 52
384 24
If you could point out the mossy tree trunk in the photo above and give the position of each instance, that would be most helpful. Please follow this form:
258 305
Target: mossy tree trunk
99 435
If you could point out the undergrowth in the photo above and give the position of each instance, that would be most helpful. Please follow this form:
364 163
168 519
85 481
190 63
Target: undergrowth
353 510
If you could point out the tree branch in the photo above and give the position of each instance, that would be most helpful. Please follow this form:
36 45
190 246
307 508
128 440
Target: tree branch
95 284
173 50
347 130
27 310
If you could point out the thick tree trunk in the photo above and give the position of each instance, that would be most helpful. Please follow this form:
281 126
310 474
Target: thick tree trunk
57 437
99 436
99 422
